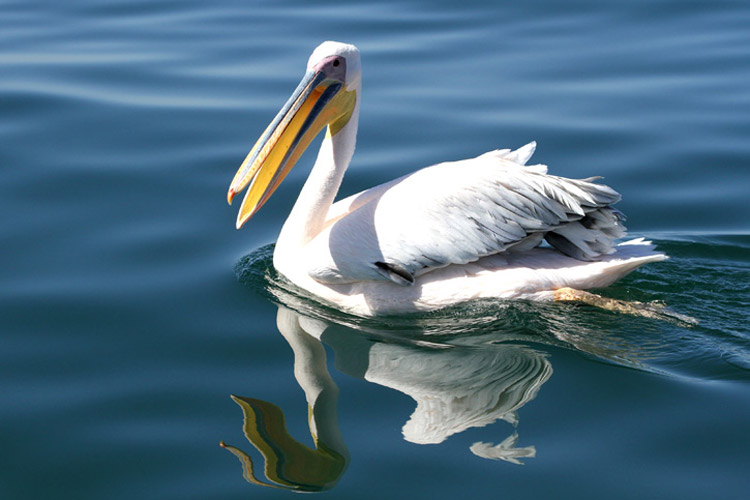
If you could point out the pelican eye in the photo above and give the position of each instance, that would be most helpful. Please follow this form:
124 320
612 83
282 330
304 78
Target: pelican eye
336 62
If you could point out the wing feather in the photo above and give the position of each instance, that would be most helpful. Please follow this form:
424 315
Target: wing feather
458 212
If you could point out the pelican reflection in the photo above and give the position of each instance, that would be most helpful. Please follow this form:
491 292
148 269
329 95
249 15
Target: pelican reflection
455 387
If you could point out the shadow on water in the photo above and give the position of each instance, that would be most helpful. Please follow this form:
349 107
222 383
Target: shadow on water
474 364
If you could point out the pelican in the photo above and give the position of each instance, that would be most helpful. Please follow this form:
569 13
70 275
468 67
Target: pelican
442 235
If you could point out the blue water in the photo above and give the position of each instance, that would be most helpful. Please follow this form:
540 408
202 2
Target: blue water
131 309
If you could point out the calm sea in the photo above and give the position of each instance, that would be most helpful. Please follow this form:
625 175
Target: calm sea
131 309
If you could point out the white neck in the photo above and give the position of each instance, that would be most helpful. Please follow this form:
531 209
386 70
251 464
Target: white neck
308 216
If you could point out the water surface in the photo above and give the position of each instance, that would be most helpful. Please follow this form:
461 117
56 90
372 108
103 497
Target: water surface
129 313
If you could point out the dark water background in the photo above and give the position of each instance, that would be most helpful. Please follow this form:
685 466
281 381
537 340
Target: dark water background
128 314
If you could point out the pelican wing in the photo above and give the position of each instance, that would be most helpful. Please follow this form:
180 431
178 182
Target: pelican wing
458 212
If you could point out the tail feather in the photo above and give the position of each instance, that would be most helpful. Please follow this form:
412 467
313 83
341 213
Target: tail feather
591 237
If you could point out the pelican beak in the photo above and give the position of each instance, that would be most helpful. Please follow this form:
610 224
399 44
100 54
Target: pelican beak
320 99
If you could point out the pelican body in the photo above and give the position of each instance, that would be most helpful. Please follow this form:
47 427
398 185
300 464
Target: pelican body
442 235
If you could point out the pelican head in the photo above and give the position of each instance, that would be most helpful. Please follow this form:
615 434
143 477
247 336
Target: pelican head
326 95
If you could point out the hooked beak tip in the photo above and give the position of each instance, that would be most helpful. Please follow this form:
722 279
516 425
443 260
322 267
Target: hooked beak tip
230 195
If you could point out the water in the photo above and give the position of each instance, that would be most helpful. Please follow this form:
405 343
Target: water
129 313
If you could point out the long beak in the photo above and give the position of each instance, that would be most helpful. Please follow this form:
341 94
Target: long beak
318 101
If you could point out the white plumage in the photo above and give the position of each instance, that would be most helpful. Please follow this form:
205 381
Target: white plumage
458 212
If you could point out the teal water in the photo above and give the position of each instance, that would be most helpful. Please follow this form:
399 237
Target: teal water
131 309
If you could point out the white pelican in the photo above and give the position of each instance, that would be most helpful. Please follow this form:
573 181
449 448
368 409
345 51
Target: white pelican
445 234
